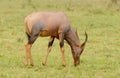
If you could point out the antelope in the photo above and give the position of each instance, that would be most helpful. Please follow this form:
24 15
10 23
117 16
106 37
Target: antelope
54 25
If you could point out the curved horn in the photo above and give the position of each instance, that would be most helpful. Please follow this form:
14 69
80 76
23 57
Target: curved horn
76 33
83 44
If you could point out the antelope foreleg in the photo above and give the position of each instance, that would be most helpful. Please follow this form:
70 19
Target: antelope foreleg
48 50
61 38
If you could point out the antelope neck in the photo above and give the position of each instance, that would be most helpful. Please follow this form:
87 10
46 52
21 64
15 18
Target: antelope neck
72 39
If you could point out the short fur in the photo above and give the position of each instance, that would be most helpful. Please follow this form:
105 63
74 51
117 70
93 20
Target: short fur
55 25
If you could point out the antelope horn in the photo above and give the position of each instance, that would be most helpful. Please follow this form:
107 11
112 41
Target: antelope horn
76 33
83 44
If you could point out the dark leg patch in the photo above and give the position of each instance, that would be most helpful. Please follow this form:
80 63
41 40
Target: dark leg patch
61 44
32 39
38 27
62 41
35 32
28 36
51 42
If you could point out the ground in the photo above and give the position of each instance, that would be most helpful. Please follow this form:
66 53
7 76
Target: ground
100 58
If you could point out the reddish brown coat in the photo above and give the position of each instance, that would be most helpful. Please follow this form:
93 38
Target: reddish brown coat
55 25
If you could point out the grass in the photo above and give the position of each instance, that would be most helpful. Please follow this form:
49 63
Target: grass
99 60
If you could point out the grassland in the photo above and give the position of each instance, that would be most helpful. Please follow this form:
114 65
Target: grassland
101 58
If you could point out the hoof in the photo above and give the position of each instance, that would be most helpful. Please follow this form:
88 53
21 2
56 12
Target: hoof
43 64
64 65
32 65
26 64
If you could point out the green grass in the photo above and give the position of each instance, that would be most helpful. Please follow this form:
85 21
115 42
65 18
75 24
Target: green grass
101 58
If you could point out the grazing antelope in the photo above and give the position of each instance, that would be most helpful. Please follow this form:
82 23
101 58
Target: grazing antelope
55 25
